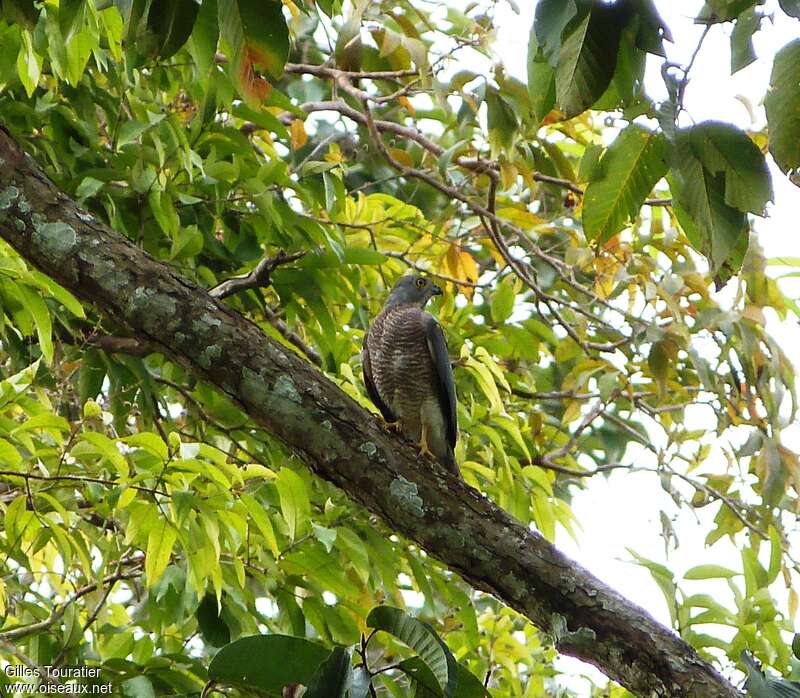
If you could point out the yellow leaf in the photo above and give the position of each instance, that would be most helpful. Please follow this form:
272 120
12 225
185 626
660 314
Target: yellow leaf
520 216
159 548
461 265
572 412
401 156
489 245
299 135
508 175
293 9
334 154
127 496
405 102
238 567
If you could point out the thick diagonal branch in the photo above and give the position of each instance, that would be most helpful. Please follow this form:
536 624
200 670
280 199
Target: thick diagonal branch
343 443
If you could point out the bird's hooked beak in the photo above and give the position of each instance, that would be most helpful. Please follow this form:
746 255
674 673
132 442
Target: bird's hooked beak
436 290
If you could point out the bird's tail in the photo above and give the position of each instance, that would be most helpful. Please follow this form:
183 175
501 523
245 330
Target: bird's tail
448 460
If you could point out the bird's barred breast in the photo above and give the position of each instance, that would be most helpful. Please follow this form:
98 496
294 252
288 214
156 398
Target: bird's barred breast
401 363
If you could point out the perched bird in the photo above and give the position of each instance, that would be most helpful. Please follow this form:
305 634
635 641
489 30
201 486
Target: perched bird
407 370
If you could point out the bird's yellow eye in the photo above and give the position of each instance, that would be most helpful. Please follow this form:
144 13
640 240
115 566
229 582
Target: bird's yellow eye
420 283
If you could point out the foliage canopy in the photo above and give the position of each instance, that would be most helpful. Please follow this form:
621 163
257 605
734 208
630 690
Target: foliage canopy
580 229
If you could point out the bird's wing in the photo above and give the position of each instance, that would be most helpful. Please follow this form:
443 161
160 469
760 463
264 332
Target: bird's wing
372 390
445 386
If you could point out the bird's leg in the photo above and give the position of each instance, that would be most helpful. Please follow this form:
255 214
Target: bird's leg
423 442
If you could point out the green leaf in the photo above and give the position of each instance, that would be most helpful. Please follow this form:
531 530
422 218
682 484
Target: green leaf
42 421
353 548
715 229
333 677
755 576
172 22
652 29
710 572
775 555
159 548
782 105
293 495
257 34
760 686
588 57
502 300
727 150
627 173
130 131
541 79
99 444
714 11
742 51
500 120
92 373
24 12
420 637
9 456
71 14
790 7
212 626
205 37
149 442
549 22
188 243
268 662
262 522
662 576
59 293
467 684
16 384
36 306
29 64
138 687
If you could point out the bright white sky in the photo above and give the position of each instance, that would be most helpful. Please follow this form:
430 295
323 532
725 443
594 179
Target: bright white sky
623 511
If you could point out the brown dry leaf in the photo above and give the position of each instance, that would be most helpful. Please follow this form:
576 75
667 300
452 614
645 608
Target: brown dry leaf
553 117
255 89
754 314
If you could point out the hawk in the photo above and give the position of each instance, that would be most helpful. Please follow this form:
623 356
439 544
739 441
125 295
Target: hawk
407 370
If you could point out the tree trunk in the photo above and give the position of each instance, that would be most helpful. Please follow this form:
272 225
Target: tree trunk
343 443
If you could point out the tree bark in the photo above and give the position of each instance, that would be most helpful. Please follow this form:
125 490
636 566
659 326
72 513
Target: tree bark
343 443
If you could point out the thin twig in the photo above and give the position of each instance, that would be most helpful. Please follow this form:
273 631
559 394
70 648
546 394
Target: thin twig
80 478
58 611
259 277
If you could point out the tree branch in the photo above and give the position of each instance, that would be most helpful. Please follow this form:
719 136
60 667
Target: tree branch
342 442
15 634
258 278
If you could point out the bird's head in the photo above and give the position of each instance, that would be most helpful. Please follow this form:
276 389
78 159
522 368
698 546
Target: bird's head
413 290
